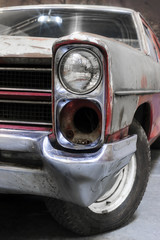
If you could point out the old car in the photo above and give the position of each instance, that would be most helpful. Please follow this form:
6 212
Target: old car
79 109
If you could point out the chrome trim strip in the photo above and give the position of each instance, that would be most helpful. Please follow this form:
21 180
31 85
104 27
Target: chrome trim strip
136 20
25 69
70 6
25 122
26 90
136 92
141 32
30 102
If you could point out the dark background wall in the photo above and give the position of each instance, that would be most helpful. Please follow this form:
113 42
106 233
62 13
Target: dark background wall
150 9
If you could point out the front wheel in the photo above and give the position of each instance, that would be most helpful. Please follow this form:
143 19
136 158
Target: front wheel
118 204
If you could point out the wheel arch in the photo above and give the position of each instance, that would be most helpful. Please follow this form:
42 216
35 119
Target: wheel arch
144 117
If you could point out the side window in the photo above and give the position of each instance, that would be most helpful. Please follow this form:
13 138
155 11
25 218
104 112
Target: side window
151 45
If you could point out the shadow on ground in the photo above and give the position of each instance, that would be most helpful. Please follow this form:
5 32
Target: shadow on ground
26 217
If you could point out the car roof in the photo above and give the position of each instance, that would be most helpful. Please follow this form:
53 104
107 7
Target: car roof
70 6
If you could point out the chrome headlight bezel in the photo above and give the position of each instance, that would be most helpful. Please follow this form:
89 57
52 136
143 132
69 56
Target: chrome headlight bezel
62 96
71 89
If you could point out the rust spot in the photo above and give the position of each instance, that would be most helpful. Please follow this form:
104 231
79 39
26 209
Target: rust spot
121 116
82 141
39 39
7 43
77 120
144 82
41 48
69 134
118 135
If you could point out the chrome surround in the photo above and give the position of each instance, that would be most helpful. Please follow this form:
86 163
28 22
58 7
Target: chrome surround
65 6
61 78
62 97
62 140
135 19
77 177
136 92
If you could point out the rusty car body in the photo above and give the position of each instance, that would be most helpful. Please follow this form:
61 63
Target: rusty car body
79 108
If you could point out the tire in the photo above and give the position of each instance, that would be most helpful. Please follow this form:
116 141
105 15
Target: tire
116 208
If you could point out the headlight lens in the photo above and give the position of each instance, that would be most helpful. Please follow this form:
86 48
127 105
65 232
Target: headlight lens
80 71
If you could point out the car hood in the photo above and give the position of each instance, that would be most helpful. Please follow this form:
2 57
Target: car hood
34 47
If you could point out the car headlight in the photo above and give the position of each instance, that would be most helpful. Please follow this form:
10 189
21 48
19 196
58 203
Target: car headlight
80 70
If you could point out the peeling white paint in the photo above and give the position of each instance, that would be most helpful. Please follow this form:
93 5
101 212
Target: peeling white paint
25 46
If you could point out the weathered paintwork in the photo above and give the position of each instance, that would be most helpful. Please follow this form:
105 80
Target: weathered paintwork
25 47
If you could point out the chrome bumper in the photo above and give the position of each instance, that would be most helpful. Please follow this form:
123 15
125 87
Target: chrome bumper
80 178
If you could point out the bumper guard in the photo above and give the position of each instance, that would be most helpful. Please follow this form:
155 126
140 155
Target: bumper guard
80 177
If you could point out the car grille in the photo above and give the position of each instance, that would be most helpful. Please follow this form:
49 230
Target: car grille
25 79
26 112
24 87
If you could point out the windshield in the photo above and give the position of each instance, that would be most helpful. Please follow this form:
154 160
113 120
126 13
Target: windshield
55 23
